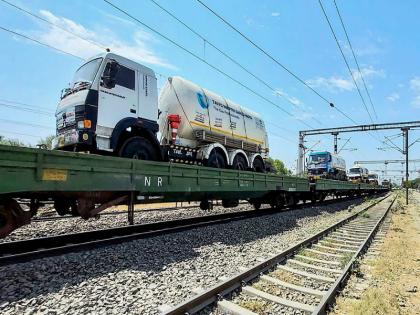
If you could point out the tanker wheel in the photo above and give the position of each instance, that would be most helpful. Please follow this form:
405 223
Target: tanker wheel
62 206
216 160
138 148
257 205
239 163
206 205
4 220
258 166
74 209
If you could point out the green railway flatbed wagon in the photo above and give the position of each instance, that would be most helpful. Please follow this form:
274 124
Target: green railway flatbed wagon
26 172
86 183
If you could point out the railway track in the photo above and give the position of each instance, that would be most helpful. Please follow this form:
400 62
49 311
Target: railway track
300 280
111 213
26 250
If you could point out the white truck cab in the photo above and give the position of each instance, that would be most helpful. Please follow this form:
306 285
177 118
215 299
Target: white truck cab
109 95
358 174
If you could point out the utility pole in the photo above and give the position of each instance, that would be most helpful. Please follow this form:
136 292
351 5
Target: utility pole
335 134
405 151
301 157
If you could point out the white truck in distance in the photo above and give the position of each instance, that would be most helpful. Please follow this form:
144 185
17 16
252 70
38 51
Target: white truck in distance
358 174
112 107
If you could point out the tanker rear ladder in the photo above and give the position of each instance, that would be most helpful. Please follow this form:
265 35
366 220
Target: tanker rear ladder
86 184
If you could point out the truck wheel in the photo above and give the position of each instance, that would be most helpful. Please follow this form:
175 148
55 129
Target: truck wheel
239 163
216 160
138 148
62 206
258 166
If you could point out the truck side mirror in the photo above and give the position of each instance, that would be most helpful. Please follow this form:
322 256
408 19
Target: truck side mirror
110 73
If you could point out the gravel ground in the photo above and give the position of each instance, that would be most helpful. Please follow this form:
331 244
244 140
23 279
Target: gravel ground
138 276
74 225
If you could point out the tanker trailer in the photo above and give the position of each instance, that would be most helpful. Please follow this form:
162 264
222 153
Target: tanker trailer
199 125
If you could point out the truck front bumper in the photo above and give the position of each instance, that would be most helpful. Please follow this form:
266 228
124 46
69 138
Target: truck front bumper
73 137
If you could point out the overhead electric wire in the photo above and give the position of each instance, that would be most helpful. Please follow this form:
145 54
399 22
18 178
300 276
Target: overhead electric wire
38 42
21 123
355 59
263 51
51 23
2 100
203 60
349 69
207 42
19 133
282 137
345 59
275 60
26 109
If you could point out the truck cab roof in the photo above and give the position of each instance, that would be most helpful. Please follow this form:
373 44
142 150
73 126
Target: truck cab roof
127 62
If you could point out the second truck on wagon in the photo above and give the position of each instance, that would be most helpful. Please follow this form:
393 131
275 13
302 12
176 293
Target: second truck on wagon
326 165
112 107
358 174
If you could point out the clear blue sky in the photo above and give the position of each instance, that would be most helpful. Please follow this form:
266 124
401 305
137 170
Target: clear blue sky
385 39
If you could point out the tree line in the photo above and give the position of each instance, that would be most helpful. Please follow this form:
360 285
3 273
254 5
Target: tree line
45 143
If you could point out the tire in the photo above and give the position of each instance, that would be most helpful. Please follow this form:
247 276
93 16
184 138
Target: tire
62 206
206 205
257 205
239 163
258 166
138 148
216 160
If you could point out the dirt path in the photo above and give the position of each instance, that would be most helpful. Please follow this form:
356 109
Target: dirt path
389 283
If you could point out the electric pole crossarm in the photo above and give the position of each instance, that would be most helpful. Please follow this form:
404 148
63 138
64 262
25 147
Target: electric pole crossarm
408 124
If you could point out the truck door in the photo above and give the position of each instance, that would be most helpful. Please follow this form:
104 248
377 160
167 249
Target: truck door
147 105
118 102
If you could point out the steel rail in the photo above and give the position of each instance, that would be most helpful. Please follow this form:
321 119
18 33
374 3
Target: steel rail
215 293
53 218
26 250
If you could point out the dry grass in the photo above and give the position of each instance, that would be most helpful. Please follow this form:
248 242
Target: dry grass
287 277
395 271
365 215
256 306
344 260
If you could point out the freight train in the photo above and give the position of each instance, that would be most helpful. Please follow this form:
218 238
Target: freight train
112 107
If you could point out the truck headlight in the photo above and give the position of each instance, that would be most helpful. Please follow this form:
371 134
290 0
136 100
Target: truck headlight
84 124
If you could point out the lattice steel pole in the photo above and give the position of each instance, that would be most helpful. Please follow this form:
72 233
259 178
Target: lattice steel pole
405 151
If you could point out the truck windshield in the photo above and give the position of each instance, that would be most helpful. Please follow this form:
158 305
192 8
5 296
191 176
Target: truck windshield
355 170
372 176
318 158
87 72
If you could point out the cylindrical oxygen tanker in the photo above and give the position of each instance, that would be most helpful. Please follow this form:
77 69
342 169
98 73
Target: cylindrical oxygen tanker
201 109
